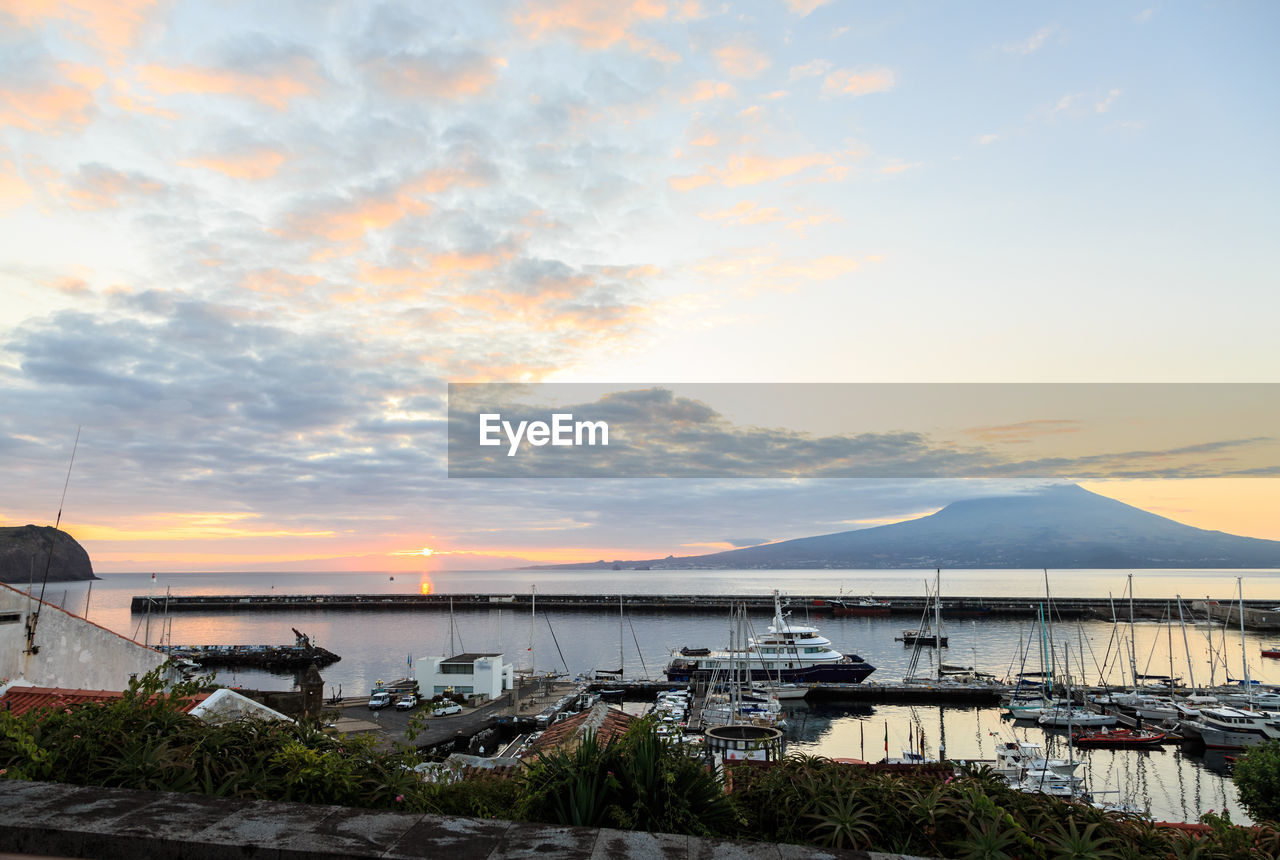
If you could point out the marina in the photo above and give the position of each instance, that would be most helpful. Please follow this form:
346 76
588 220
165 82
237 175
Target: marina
937 711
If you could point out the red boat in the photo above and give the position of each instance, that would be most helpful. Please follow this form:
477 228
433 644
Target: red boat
1118 738
1271 651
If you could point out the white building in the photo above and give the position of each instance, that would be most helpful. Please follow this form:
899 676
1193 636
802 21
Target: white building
468 674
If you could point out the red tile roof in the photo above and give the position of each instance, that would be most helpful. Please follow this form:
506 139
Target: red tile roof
19 700
606 722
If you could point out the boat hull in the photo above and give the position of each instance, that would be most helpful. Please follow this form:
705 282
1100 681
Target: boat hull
836 673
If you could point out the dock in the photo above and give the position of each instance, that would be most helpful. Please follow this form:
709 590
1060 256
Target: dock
815 605
919 692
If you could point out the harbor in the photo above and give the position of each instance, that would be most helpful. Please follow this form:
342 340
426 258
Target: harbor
878 718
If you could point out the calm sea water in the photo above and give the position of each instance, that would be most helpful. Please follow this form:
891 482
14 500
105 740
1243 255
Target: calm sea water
379 645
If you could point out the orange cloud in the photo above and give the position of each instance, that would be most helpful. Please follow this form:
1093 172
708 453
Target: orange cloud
745 213
66 103
99 187
173 526
688 183
71 286
112 25
804 7
820 269
414 77
707 90
349 220
127 101
847 82
705 139
597 25
254 164
741 60
275 88
14 190
754 169
277 282
899 167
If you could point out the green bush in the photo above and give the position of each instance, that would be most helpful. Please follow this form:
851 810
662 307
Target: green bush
1257 779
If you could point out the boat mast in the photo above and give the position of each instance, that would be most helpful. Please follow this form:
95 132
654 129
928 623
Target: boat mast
621 660
1133 660
937 617
533 614
1244 657
1048 627
1191 673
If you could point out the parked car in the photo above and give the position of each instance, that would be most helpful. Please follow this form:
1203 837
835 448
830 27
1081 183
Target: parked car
407 702
379 700
450 708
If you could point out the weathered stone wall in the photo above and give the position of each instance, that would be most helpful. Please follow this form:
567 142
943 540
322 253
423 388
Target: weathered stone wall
69 821
72 653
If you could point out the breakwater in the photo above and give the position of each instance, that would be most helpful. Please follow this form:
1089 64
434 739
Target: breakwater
817 605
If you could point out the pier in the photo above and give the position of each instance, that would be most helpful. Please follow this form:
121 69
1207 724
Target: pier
816 605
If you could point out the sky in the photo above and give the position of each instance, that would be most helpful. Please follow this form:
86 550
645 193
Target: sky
244 247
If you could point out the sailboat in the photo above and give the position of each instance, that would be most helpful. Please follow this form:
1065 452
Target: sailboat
936 635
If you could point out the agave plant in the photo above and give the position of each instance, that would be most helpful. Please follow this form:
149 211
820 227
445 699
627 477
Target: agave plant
843 821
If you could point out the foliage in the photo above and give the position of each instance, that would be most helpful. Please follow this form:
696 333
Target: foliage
1257 779
636 782
145 740
971 815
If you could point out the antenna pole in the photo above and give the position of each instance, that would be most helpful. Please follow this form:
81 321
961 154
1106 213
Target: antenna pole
34 617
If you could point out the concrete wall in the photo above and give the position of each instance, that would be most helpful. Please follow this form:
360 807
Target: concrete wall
72 653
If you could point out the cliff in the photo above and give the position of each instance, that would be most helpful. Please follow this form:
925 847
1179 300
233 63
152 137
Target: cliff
24 549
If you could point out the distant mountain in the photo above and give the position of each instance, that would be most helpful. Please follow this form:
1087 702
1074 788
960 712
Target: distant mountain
24 553
1056 527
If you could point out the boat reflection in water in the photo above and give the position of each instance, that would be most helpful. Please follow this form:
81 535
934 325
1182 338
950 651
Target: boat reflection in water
787 653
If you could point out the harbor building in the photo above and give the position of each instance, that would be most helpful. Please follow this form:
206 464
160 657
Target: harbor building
470 674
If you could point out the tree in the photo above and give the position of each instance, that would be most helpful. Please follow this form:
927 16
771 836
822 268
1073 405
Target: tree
1257 778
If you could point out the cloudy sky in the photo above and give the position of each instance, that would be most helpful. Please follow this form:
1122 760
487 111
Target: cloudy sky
245 246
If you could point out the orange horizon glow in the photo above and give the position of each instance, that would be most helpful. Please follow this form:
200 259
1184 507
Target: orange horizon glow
219 540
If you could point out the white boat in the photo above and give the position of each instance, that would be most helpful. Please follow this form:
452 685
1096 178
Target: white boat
1063 718
1052 785
782 691
1016 760
786 653
1229 728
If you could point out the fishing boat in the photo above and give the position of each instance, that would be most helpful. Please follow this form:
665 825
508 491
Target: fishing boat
863 606
1122 738
787 653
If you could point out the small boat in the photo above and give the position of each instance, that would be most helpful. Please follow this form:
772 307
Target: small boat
1118 738
782 691
861 607
912 637
1076 717
1271 651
